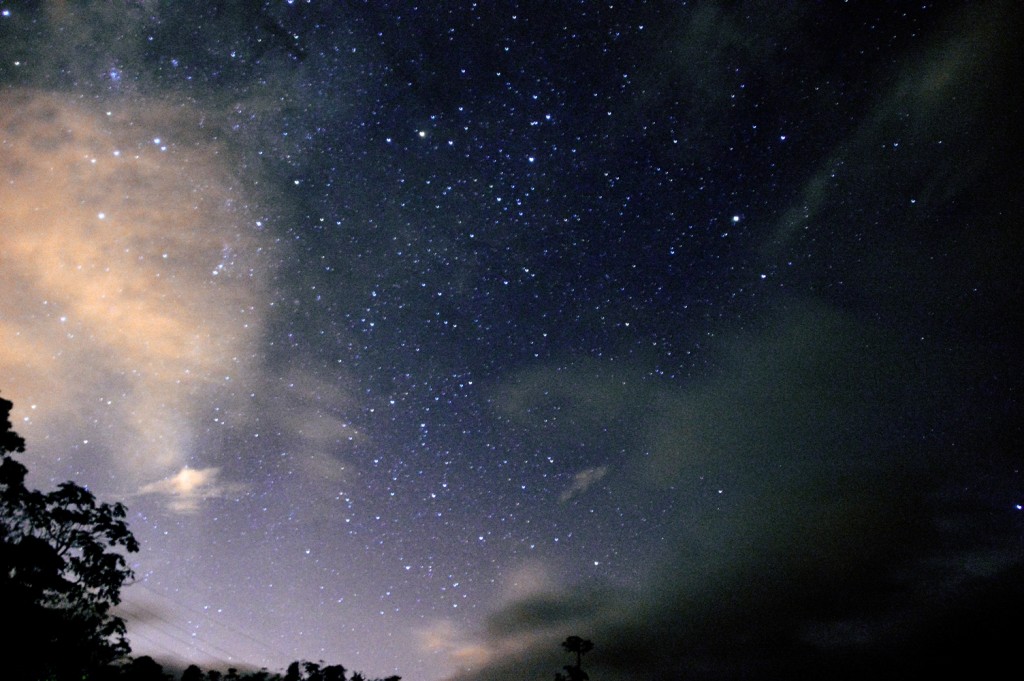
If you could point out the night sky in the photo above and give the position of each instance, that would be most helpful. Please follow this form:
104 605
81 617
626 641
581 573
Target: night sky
418 337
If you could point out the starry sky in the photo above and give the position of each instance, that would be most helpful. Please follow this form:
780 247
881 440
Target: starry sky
418 337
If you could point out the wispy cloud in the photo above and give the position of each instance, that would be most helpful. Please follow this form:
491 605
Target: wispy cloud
186 489
445 638
583 481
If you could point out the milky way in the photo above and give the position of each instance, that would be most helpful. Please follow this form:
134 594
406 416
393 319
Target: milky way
419 338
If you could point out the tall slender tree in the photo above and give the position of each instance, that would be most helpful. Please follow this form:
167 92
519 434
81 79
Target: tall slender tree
579 646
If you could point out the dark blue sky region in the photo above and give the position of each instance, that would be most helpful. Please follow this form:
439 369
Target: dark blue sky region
418 337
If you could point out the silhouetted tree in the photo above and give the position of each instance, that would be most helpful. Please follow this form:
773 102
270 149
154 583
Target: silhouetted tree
61 572
144 668
580 647
312 670
334 672
192 673
302 670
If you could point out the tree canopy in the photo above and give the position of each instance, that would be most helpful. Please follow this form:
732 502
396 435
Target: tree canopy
62 566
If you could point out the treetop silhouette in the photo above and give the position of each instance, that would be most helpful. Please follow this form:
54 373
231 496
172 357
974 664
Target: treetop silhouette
580 647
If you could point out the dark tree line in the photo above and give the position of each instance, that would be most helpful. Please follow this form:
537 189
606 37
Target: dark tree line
62 567
300 670
146 669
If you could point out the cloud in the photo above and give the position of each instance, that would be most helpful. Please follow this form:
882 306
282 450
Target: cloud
136 258
188 487
133 268
534 610
528 580
318 416
445 638
807 428
817 531
582 481
920 141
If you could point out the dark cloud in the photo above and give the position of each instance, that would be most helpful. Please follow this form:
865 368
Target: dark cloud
818 533
827 542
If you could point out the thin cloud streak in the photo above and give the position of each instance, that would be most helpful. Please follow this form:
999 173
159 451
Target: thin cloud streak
186 489
583 481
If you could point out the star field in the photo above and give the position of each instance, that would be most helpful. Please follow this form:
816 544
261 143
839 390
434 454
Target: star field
417 337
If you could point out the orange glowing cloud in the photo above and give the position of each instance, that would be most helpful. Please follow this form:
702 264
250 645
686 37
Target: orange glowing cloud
132 267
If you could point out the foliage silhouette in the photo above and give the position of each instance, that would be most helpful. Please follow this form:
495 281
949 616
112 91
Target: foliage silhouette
62 567
580 647
192 673
144 668
302 670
